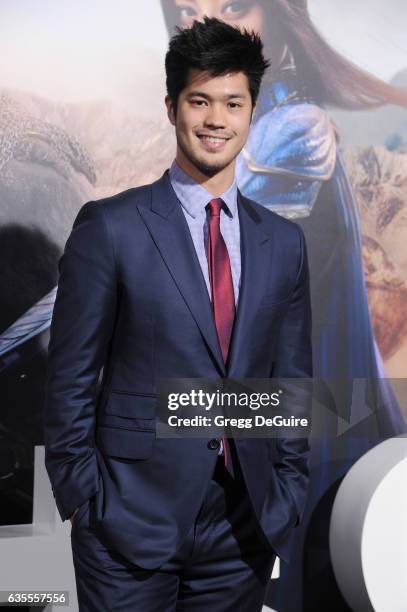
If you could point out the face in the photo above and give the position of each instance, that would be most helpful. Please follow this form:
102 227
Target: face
245 13
256 15
212 121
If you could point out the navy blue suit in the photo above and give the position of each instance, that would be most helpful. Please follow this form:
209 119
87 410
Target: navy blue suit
132 299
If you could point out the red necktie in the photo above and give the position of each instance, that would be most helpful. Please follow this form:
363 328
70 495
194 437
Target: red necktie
223 301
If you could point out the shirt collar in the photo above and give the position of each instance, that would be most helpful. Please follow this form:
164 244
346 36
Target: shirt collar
194 198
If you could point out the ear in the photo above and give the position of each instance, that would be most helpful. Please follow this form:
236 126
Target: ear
170 109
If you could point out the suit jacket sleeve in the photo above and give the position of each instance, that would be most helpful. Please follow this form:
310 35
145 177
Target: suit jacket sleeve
81 330
294 360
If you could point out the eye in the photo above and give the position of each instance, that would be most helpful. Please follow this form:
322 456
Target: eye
235 9
198 103
234 105
186 11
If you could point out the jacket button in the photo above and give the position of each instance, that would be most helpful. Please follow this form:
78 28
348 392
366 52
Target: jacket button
213 444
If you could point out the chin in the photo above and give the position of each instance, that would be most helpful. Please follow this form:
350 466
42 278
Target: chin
211 168
210 171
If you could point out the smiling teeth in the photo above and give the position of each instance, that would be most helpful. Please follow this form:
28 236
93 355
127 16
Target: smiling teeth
213 139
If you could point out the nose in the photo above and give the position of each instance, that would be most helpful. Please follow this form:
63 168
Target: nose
215 117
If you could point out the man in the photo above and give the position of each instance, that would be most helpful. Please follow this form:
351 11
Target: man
183 278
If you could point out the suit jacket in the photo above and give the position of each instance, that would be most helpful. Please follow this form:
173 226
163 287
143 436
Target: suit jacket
132 303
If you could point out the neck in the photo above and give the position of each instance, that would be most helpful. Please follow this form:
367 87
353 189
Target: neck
215 184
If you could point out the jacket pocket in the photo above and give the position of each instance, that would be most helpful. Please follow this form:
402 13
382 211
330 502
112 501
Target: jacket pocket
126 425
124 443
130 405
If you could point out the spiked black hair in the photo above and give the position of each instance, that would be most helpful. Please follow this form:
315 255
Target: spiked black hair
215 47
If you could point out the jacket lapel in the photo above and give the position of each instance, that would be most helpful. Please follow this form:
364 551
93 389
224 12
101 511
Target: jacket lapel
169 230
256 257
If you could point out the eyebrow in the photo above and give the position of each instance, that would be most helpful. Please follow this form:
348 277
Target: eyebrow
202 94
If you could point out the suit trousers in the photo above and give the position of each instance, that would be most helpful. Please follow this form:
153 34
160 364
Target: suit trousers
223 564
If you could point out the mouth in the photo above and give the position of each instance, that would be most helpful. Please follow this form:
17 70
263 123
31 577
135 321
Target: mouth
212 143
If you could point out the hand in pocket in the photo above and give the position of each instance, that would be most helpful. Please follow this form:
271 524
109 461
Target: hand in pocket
71 518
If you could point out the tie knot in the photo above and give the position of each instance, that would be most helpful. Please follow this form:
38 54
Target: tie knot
215 206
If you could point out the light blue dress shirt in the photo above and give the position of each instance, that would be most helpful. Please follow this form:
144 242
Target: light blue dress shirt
193 199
